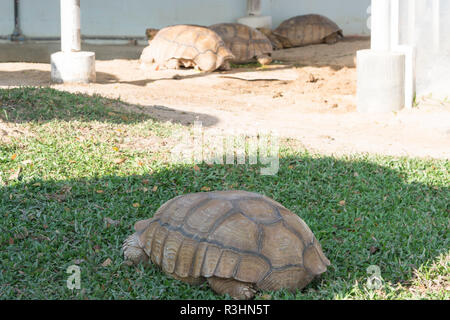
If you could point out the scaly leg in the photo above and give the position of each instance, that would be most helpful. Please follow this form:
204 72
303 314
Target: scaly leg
133 251
236 289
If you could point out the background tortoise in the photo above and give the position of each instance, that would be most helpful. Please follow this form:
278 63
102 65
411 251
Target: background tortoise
246 43
188 46
239 241
304 30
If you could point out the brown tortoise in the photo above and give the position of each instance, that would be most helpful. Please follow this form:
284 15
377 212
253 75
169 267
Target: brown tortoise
304 30
187 46
238 241
247 44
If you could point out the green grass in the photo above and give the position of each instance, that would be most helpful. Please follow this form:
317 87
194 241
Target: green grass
395 215
249 65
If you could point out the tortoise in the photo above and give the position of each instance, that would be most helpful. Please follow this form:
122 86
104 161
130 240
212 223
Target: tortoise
237 241
304 30
187 46
246 43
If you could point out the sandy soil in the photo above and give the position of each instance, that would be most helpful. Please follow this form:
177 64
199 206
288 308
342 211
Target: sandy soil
308 94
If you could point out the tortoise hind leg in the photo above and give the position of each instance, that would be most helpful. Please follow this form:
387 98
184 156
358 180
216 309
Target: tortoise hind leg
236 289
133 251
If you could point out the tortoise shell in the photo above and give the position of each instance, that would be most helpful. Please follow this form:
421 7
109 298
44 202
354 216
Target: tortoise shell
246 43
187 45
307 29
235 235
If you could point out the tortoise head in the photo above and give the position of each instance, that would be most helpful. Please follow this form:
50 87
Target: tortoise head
151 33
224 56
264 59
276 43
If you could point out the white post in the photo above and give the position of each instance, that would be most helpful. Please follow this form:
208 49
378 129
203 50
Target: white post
407 49
381 25
410 76
254 7
380 71
395 23
412 22
254 18
71 64
70 26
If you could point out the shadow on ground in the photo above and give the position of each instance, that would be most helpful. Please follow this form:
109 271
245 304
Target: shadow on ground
28 104
183 74
34 77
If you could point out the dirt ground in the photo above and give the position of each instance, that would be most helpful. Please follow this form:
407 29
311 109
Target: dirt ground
308 94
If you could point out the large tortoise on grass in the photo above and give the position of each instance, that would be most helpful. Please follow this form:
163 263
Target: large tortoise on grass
304 30
236 240
186 46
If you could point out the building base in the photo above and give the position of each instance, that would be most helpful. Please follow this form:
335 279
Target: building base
380 81
257 21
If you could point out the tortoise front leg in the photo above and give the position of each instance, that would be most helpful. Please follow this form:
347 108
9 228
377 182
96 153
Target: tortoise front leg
331 39
236 289
226 66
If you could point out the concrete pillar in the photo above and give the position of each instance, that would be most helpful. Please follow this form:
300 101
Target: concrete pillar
253 7
71 64
381 81
436 8
395 23
70 26
254 18
381 25
411 22
380 71
410 73
408 50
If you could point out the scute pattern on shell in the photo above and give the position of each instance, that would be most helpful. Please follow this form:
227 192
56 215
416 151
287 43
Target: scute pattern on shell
244 42
232 234
189 44
306 29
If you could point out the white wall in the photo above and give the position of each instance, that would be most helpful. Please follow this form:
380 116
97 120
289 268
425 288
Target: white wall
40 18
6 17
350 15
132 17
125 17
432 58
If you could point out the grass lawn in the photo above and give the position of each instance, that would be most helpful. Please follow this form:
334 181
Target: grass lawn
69 163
